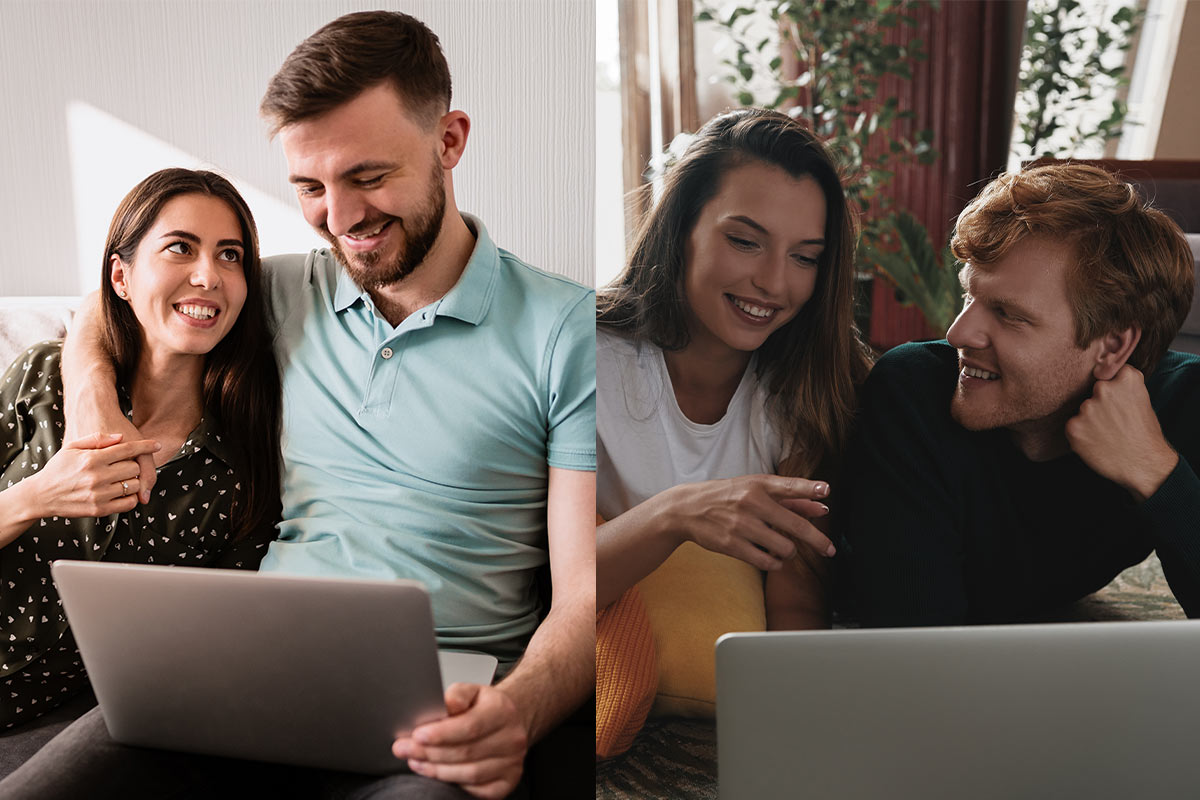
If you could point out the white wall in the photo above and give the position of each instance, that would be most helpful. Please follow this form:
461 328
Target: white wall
96 94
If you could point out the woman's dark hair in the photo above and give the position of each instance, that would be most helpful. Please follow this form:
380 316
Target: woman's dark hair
812 365
241 379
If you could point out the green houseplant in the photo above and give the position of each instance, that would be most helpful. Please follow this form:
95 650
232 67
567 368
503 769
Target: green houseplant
1072 57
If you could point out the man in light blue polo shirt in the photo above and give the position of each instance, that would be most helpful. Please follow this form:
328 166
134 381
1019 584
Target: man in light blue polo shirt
452 418
439 400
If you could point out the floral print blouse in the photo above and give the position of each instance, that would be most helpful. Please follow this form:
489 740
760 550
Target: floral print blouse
186 522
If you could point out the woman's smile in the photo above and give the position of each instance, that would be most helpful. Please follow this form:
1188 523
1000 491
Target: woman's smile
752 256
186 283
751 312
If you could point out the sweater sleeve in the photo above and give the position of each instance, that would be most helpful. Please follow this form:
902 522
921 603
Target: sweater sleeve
904 546
1172 518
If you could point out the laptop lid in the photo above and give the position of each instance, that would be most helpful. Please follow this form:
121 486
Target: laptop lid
1096 710
310 671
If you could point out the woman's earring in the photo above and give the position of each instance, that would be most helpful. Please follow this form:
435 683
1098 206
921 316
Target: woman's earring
121 292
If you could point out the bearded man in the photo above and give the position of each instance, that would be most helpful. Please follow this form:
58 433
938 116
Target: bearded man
1048 443
439 425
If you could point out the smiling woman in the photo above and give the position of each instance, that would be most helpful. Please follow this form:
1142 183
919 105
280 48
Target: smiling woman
752 259
189 286
739 289
183 316
726 366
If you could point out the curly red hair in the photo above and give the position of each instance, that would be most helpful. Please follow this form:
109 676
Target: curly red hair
1133 267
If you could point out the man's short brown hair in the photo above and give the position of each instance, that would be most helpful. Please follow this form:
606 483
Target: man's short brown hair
1132 268
356 52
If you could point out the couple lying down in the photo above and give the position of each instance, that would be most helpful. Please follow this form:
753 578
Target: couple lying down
745 452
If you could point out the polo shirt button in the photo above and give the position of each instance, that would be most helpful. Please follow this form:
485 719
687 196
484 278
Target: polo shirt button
386 352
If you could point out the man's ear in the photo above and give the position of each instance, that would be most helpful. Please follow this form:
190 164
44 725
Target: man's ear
1115 349
117 276
453 127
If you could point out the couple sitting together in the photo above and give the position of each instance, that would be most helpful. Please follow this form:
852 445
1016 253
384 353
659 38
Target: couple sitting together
437 402
997 476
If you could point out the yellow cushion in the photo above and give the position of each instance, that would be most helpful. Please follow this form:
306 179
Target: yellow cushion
694 597
626 673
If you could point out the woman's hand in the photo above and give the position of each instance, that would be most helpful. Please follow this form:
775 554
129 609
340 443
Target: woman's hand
90 477
756 518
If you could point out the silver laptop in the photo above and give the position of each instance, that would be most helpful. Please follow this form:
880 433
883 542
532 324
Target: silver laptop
317 672
1091 710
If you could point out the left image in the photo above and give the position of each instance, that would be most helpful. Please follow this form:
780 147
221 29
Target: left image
370 465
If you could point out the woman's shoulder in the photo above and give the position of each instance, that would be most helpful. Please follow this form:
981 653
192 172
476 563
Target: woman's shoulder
608 338
630 376
617 344
36 368
616 351
49 350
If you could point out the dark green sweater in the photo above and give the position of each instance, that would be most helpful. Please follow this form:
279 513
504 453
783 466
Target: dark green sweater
946 526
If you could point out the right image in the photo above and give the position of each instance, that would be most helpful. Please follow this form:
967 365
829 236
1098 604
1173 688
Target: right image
897 399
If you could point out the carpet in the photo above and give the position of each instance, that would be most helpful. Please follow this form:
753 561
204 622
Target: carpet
677 758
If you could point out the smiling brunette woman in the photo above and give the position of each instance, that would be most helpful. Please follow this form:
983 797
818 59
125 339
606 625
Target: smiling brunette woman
183 317
727 358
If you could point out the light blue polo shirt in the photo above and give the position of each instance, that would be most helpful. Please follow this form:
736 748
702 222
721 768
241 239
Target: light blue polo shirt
422 451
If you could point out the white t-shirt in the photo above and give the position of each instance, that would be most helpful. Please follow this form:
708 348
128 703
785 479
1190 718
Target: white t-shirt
645 444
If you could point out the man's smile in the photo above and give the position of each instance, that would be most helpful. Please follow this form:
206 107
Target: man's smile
368 239
982 374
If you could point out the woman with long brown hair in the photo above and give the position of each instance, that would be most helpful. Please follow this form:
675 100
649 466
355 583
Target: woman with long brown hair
727 361
184 319
727 356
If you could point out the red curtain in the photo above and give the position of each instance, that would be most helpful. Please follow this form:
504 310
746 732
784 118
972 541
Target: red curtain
964 93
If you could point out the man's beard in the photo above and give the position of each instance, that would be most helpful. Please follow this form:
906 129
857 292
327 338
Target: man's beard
420 230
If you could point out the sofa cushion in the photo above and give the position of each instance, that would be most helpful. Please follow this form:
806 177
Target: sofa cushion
25 321
693 598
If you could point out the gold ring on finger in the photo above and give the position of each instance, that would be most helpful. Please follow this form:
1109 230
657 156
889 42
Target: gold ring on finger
124 488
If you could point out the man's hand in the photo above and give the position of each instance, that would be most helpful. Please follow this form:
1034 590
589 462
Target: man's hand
1117 434
481 746
90 393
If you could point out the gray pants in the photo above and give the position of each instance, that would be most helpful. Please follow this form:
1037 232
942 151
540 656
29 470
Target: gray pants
17 745
84 761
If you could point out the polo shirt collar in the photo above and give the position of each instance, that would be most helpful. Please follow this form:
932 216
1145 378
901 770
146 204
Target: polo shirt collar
469 298
347 292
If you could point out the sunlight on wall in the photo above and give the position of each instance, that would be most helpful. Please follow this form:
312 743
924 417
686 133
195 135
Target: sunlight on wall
109 157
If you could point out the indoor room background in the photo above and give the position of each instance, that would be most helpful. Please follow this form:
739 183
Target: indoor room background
99 93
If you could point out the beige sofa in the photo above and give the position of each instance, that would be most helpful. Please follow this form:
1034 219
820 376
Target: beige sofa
28 320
